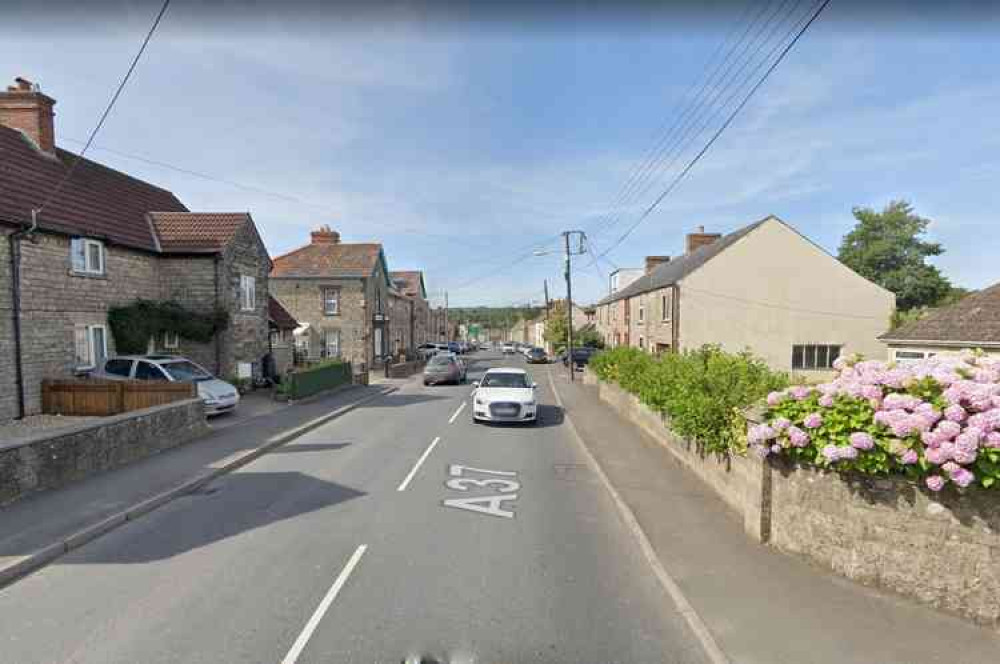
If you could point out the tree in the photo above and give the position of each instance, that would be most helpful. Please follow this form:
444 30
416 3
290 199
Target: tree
556 331
886 248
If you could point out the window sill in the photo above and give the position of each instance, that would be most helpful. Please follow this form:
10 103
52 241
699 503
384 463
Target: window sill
89 275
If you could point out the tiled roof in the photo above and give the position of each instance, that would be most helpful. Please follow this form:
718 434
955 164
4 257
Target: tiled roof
673 271
412 282
973 319
279 315
197 231
328 260
97 201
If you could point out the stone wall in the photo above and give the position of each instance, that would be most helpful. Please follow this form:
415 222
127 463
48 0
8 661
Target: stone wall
942 550
245 340
191 282
49 460
8 381
304 300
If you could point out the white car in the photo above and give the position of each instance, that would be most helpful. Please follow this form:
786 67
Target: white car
505 395
217 395
508 348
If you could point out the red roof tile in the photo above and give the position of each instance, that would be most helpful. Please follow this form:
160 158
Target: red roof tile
411 282
197 231
328 260
97 201
279 315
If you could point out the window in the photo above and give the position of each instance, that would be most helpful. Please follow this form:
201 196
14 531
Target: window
642 342
118 367
814 356
87 256
642 313
910 355
90 346
148 371
331 301
170 340
664 313
248 293
184 370
331 345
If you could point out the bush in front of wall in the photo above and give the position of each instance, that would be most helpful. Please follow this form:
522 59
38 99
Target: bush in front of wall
134 324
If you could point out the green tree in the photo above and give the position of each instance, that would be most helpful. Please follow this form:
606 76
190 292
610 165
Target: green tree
556 330
886 247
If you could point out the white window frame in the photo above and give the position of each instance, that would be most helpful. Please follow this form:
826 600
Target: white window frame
663 305
642 313
80 249
326 343
171 341
87 361
248 292
324 290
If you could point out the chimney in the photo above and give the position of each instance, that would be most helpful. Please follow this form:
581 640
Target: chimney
24 107
653 261
323 235
700 238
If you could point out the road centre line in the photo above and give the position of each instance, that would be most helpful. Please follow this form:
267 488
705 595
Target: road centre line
324 605
420 462
460 409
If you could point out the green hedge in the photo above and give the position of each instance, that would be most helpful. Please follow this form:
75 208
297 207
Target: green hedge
702 391
316 379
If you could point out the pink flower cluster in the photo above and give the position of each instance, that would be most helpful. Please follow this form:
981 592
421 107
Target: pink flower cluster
950 437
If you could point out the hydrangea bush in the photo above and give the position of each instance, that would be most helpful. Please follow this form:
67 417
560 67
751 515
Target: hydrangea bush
936 421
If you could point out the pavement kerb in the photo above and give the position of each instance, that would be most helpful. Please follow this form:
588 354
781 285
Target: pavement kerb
42 557
709 645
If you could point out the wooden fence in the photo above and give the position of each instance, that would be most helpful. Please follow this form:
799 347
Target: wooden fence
109 397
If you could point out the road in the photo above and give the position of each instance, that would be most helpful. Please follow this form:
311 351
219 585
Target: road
342 547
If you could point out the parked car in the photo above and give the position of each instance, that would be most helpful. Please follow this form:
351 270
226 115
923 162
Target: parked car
504 395
462 364
581 357
217 395
537 356
508 348
443 368
427 351
454 347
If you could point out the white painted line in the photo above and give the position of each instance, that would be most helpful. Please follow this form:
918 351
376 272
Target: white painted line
698 627
460 409
331 594
420 461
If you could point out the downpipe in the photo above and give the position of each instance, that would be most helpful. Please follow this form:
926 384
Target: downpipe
14 240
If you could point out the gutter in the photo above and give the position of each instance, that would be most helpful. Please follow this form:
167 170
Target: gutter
945 344
218 334
675 315
15 290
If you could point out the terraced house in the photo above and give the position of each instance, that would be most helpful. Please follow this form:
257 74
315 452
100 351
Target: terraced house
763 287
74 247
410 313
339 293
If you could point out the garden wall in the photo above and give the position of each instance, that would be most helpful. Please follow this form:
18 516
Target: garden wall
942 550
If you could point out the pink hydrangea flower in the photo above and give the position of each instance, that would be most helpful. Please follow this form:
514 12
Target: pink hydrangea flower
775 398
963 477
847 452
934 482
935 456
826 401
812 421
955 413
862 440
800 392
780 423
797 436
993 440
909 457
949 429
831 453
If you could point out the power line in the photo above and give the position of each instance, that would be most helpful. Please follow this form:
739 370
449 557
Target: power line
721 129
107 110
728 81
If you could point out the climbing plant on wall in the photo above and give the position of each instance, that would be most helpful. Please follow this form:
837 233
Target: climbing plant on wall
134 324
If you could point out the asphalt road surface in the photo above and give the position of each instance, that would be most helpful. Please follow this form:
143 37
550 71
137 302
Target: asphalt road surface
397 531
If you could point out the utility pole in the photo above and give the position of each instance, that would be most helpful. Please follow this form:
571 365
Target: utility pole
569 295
446 317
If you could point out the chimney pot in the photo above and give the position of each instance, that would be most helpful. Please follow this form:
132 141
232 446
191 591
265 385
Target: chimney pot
325 235
700 239
25 108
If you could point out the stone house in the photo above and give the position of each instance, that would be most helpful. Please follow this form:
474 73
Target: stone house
409 316
972 322
764 287
74 247
341 292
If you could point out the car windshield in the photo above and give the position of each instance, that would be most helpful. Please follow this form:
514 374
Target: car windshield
439 361
185 370
504 380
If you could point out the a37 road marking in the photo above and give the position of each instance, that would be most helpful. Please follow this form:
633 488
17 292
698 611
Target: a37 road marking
460 409
491 505
324 605
420 462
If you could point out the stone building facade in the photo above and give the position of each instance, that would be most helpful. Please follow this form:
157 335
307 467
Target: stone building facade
341 291
106 240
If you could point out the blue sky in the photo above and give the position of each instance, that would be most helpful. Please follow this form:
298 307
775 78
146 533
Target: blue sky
460 145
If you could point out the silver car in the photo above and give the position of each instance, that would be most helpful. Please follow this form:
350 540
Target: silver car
217 395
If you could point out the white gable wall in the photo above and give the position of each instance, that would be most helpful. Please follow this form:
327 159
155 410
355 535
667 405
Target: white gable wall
773 289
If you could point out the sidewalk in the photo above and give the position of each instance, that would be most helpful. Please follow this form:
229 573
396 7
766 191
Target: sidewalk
50 518
762 607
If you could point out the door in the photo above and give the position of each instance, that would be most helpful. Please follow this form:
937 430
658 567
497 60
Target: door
377 343
98 346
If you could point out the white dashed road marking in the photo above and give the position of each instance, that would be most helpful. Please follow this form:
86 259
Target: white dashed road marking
420 461
460 409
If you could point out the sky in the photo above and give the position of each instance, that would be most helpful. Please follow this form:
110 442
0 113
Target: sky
467 142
